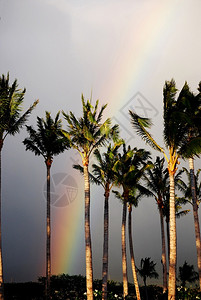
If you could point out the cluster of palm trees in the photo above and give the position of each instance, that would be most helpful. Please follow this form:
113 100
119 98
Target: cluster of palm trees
129 170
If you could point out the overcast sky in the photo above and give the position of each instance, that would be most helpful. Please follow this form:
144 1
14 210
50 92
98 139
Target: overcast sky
120 52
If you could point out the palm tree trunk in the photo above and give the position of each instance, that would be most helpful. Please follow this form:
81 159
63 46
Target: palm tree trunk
168 238
124 258
196 218
137 290
48 232
1 261
173 241
146 292
105 244
88 247
164 261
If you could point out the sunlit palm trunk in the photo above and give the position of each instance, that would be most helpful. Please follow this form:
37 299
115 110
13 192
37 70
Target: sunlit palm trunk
137 290
168 238
1 261
105 244
164 261
124 258
196 217
173 242
88 248
48 232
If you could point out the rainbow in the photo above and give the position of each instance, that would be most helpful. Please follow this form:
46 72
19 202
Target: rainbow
136 63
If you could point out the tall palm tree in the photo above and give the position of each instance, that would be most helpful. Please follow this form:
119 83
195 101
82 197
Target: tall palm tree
157 183
129 169
177 143
191 104
11 121
138 191
104 175
193 199
48 142
147 269
180 212
86 134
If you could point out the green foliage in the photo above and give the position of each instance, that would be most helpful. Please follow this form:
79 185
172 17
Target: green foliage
47 140
87 133
11 100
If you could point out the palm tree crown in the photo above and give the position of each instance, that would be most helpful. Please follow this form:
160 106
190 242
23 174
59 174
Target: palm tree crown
11 100
47 140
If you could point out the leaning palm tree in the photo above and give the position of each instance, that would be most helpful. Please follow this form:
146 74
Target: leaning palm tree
157 182
129 169
178 144
11 121
86 134
48 142
135 195
147 269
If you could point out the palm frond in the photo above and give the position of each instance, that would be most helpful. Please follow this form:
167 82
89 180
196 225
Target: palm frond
140 124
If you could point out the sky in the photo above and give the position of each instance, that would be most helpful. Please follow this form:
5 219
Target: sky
120 52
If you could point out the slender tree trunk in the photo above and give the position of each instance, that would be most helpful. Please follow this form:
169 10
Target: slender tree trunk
48 232
173 242
137 290
146 292
1 260
124 258
105 244
196 217
168 238
88 247
164 261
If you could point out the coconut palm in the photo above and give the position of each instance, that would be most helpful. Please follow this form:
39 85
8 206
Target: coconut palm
178 144
48 142
104 175
128 171
187 274
180 212
136 193
191 104
147 269
86 134
11 121
157 182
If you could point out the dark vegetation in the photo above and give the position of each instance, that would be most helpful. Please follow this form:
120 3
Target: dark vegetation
66 287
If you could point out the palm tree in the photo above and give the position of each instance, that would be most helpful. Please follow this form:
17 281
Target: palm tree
187 274
135 195
129 169
193 199
179 201
48 142
178 144
11 121
157 183
86 134
147 269
191 104
104 175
